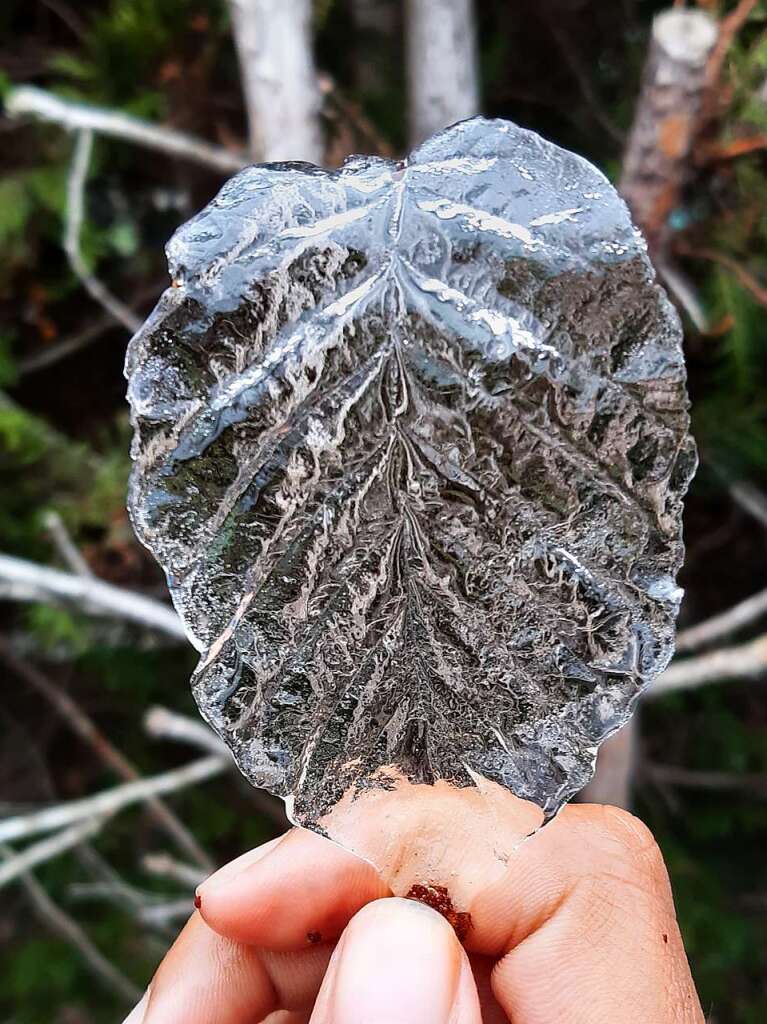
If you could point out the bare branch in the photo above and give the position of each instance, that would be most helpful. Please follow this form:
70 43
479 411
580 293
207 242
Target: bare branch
97 328
165 866
687 778
161 723
157 915
28 100
747 495
748 661
67 929
75 208
21 862
25 581
443 81
87 730
273 39
64 544
165 724
110 801
719 626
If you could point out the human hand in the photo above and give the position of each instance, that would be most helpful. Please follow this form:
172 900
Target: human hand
579 929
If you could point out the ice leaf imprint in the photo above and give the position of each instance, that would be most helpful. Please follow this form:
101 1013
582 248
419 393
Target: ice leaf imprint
410 444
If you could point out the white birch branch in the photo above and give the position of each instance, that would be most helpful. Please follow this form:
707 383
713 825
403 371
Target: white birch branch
443 80
21 580
274 46
164 724
718 626
20 862
73 225
66 547
29 100
162 865
748 661
161 723
110 801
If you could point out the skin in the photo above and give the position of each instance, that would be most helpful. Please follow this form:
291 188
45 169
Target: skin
580 928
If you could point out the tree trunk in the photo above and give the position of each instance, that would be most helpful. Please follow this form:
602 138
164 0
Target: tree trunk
656 162
274 45
612 782
443 82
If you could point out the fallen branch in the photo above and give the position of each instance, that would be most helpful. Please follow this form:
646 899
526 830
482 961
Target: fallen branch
110 801
47 849
718 626
748 661
28 100
84 726
26 581
73 225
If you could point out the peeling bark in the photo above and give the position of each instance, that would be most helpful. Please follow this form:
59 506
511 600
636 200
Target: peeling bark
656 162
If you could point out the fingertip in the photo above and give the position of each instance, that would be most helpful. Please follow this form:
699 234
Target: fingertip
302 892
398 960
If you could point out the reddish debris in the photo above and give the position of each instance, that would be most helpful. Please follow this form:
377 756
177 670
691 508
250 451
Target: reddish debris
197 901
313 938
438 898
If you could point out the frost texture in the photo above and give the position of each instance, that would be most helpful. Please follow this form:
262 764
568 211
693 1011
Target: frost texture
411 443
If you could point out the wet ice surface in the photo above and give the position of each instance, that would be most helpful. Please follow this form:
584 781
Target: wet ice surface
411 444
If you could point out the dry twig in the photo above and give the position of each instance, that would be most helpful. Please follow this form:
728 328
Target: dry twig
73 225
719 626
66 547
21 580
161 723
164 866
748 661
110 801
38 853
165 724
687 778
28 100
87 730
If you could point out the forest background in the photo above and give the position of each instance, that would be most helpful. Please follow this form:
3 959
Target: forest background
94 683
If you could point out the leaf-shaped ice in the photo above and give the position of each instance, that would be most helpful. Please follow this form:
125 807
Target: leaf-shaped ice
411 442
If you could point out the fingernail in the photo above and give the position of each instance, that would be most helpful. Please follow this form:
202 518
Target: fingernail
398 962
138 1012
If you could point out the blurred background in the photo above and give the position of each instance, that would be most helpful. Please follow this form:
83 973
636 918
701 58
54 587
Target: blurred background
94 670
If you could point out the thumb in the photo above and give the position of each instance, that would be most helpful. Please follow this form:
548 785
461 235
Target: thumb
398 961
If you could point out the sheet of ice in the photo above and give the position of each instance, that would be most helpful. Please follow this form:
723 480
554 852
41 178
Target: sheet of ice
411 445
